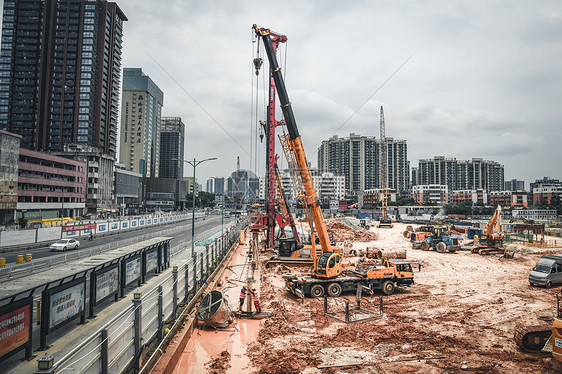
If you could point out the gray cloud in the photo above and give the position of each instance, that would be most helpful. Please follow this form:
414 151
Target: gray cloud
485 79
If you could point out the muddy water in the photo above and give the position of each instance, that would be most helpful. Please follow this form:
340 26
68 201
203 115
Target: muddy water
207 345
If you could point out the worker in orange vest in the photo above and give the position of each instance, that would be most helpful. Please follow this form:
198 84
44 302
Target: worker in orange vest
243 293
255 299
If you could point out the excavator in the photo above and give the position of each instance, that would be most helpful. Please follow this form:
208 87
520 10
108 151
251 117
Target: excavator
328 266
543 337
491 239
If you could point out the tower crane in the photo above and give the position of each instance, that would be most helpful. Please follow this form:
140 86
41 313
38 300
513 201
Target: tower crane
384 220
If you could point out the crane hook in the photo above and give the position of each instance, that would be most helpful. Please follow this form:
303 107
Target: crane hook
258 63
262 127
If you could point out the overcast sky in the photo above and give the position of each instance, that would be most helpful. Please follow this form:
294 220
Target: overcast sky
463 79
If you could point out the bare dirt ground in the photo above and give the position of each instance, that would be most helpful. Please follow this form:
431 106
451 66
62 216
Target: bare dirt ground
459 316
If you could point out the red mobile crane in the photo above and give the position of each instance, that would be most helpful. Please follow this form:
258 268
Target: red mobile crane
271 161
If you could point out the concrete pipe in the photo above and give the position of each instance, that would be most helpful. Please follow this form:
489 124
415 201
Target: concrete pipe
214 310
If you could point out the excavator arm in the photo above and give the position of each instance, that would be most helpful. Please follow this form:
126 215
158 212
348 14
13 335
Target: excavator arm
493 228
295 139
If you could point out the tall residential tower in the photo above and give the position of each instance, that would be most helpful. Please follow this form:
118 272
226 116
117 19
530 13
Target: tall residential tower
172 137
357 157
141 114
60 70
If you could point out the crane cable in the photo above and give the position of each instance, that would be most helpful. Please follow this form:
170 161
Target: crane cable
250 155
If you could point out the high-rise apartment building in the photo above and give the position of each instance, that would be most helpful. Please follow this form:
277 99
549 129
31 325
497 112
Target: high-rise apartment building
215 185
141 113
172 135
514 185
460 174
357 158
329 186
60 70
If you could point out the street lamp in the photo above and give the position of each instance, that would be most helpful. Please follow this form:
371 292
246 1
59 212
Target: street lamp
194 163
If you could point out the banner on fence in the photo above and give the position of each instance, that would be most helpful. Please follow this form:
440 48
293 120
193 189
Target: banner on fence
70 228
15 326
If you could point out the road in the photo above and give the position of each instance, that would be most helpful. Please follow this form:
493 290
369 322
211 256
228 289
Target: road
179 237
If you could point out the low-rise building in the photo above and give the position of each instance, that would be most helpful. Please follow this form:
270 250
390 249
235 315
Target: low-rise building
430 194
100 184
374 196
535 214
469 197
507 199
546 194
50 187
128 190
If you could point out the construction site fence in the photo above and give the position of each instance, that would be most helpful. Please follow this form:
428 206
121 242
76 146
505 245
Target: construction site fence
122 344
17 269
519 238
79 229
532 240
553 232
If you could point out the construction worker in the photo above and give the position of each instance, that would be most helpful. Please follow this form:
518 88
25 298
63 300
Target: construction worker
243 293
256 300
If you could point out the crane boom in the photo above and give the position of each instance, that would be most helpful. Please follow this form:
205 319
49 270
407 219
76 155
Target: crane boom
384 163
295 140
384 220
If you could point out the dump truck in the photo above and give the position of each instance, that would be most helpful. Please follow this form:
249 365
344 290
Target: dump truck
384 275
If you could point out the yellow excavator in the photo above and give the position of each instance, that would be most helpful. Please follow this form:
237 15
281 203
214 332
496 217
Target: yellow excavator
544 337
491 239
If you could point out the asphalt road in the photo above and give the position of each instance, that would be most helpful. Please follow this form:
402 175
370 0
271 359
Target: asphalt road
179 238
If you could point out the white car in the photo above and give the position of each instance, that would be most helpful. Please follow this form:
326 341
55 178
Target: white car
65 244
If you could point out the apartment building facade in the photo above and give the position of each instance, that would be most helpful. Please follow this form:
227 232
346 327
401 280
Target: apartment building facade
60 70
358 159
141 116
172 139
460 174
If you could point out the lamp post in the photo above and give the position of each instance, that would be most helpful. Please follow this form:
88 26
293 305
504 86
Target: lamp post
194 163
222 216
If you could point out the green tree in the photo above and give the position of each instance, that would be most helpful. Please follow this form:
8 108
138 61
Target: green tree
542 203
22 222
555 201
206 199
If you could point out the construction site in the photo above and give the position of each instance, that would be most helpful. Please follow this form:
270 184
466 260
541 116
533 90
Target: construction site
460 315
318 294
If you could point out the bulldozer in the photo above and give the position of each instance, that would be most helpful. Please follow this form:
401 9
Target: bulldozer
545 337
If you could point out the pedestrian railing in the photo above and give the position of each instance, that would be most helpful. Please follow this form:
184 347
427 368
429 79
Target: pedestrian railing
119 346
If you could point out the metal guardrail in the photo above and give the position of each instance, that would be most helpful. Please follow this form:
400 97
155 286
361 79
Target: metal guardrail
117 347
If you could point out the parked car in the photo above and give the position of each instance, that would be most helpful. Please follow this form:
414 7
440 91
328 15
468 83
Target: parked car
547 272
65 244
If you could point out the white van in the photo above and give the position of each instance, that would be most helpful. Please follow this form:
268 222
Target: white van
547 272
